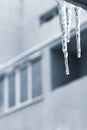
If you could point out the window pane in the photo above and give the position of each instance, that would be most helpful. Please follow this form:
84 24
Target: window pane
11 90
1 94
24 95
36 78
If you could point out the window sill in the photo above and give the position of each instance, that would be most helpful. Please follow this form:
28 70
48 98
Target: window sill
21 106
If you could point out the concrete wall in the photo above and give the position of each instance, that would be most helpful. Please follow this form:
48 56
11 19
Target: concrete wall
63 109
9 30
67 107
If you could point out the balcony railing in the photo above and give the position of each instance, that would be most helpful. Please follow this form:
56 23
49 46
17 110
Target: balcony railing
20 81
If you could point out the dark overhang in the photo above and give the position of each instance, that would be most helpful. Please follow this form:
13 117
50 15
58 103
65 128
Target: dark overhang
81 3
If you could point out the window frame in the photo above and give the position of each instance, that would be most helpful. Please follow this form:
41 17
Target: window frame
12 70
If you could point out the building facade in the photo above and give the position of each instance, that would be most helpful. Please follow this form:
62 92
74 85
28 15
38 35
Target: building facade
35 93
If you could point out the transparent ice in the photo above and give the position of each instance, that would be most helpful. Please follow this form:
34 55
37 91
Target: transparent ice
77 17
63 23
65 15
68 16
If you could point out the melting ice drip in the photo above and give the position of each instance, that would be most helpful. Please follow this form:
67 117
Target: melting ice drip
77 14
65 14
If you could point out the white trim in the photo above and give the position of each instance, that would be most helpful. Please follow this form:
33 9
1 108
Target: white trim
29 78
21 106
35 55
17 87
46 76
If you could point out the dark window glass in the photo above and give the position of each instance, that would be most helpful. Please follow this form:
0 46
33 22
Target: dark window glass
1 94
36 78
44 18
58 77
77 66
81 3
12 90
24 95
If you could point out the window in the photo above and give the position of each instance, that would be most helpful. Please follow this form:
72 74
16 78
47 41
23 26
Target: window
49 15
59 77
12 89
1 93
77 66
24 91
36 77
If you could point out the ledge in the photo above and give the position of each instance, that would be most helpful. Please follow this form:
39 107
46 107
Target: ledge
21 106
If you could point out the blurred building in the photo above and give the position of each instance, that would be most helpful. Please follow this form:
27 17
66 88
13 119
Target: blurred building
35 93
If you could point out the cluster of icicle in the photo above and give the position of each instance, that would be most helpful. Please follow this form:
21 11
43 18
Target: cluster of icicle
65 14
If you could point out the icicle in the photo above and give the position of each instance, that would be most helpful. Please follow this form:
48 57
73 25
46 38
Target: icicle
68 16
63 23
77 16
65 15
66 63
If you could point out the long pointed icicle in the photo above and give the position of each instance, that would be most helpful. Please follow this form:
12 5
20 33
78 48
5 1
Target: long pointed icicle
63 22
68 17
66 63
65 15
77 16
